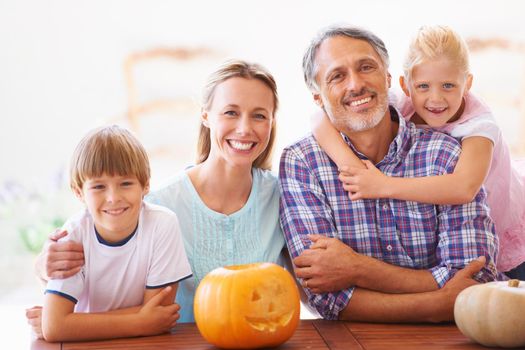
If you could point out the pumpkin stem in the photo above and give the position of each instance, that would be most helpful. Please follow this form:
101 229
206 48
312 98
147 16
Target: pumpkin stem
514 283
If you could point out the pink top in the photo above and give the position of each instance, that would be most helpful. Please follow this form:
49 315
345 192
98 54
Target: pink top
505 182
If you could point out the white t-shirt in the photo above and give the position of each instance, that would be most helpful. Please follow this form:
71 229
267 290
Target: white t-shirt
115 275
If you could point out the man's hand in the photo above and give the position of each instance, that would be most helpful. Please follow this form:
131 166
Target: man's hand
369 183
157 318
328 265
60 259
461 280
34 318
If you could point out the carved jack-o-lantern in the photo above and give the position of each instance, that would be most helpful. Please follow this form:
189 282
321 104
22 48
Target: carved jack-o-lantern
247 306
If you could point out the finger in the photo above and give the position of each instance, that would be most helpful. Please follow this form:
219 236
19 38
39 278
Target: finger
57 234
355 196
69 246
303 273
368 164
63 274
474 266
314 237
320 244
159 297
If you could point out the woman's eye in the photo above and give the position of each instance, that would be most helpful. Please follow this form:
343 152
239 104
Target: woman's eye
230 113
260 116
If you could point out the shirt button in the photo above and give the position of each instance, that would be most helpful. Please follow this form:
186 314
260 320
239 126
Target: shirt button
389 248
385 207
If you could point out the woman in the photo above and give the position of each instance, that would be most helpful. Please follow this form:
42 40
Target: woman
228 203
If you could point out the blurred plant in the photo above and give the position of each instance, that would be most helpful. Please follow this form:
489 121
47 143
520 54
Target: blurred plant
30 214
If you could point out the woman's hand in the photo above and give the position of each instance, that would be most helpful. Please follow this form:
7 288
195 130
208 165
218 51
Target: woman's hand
366 183
60 259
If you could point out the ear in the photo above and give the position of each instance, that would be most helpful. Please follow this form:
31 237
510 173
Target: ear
145 190
204 118
403 85
78 193
318 100
468 84
389 79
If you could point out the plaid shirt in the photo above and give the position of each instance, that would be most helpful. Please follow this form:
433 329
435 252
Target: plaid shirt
440 238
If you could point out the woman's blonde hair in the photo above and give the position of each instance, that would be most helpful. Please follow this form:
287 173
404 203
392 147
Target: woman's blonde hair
432 42
110 150
233 69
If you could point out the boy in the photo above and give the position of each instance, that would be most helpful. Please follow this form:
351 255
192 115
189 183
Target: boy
134 254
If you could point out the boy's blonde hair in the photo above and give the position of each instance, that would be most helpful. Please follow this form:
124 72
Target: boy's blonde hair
432 42
110 150
237 69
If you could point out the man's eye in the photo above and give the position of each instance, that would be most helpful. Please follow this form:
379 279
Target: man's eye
367 67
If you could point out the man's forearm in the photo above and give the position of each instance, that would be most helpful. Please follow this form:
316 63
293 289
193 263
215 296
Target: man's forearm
40 270
383 277
370 306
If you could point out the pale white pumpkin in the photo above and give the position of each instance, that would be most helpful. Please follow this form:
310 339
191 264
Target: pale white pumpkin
493 314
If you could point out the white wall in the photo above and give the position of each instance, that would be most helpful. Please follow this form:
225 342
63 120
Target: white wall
61 60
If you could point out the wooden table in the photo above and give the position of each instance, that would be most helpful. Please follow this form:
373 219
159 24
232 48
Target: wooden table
311 334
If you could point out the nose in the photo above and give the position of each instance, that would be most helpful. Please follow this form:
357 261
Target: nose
112 195
355 83
435 95
244 125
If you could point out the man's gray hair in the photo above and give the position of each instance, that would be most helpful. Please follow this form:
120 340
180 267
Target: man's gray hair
309 59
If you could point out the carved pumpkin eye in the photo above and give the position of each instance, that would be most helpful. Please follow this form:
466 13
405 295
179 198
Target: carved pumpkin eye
247 306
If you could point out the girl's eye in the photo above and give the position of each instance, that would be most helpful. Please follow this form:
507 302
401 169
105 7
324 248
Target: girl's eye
448 86
422 86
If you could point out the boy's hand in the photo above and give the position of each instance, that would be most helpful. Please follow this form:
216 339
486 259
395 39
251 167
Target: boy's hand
156 318
34 318
369 183
62 259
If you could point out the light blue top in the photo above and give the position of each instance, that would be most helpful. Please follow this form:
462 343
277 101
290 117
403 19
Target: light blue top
212 239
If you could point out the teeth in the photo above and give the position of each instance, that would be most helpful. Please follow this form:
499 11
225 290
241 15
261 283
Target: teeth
436 110
114 211
242 146
360 102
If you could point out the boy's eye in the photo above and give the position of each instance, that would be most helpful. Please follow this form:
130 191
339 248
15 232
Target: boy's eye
127 183
97 187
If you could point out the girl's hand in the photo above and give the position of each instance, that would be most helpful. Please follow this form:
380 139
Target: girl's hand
369 183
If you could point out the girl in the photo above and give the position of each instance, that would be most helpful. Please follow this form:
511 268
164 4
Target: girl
436 83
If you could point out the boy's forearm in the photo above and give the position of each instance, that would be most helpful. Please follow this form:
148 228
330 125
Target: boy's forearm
91 326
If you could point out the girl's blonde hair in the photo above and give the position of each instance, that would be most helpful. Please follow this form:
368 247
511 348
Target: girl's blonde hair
110 150
233 69
432 42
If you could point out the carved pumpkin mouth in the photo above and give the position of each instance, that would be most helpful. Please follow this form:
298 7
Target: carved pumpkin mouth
269 323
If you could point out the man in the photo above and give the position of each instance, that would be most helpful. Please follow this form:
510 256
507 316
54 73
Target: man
376 260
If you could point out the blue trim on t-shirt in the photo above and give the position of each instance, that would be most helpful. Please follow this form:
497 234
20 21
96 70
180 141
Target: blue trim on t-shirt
169 283
64 295
101 240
